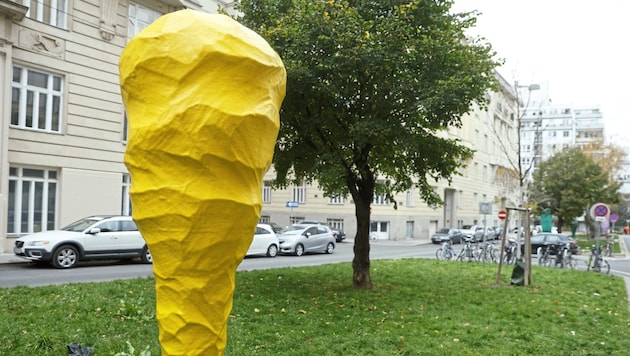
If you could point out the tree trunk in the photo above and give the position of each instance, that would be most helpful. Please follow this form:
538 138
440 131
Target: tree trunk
361 263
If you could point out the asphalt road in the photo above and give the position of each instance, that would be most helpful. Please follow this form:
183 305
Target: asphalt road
30 274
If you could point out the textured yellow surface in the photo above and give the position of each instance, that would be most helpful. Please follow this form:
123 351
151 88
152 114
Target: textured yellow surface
202 95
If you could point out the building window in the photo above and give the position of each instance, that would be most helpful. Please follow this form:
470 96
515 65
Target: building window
36 100
139 18
380 199
266 192
126 201
337 200
409 197
265 219
335 224
410 229
51 12
32 200
299 193
125 132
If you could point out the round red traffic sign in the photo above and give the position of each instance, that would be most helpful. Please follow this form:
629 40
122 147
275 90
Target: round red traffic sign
502 214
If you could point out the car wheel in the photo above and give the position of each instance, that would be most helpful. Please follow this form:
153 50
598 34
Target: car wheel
299 250
146 255
272 251
330 248
65 256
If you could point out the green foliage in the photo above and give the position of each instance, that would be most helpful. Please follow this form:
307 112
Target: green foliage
570 182
371 86
419 307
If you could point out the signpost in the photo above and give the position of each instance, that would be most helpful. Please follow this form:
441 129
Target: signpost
292 204
613 219
485 209
600 213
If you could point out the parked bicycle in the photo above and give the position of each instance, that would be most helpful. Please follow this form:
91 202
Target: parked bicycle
567 259
596 261
608 248
545 255
468 252
446 252
486 252
510 252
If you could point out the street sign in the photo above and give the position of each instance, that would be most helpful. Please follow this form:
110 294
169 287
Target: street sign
599 210
502 214
614 218
292 204
485 208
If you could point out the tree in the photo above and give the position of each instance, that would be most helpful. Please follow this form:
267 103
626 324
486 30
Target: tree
569 183
371 88
607 155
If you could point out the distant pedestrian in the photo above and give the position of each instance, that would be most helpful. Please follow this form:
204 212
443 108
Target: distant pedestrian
626 230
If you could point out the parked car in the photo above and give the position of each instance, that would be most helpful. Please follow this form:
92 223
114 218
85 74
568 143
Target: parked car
265 242
446 234
498 232
545 238
91 238
299 239
491 234
275 227
473 231
339 235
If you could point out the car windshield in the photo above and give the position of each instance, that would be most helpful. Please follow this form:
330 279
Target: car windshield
294 229
467 227
444 231
79 226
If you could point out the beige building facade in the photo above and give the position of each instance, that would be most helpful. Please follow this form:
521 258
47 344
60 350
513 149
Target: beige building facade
63 130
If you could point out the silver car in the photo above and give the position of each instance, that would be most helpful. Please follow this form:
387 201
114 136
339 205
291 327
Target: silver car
298 239
91 238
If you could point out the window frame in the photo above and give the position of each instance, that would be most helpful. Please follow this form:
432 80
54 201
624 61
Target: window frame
57 15
26 99
18 180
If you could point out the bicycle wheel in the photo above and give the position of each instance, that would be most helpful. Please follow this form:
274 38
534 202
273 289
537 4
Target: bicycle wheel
542 259
439 254
460 256
490 255
604 267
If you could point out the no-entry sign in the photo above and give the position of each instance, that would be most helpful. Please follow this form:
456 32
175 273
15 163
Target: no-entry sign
502 214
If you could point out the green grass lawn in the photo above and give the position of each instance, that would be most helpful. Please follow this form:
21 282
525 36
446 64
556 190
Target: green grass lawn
418 307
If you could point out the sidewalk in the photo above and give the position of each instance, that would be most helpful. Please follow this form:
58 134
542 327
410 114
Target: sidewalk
10 258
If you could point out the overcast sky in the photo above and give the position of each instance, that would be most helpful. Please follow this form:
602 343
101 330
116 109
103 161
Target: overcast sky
579 47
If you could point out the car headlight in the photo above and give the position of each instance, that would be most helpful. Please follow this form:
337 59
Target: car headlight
38 243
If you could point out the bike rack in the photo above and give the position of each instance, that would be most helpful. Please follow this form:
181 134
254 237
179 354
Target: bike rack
527 278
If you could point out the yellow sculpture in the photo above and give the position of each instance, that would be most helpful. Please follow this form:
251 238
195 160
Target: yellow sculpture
202 95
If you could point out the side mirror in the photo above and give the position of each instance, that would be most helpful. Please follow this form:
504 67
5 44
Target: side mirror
307 234
94 231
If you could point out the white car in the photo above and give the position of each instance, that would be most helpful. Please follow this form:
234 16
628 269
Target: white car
265 242
91 238
298 239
